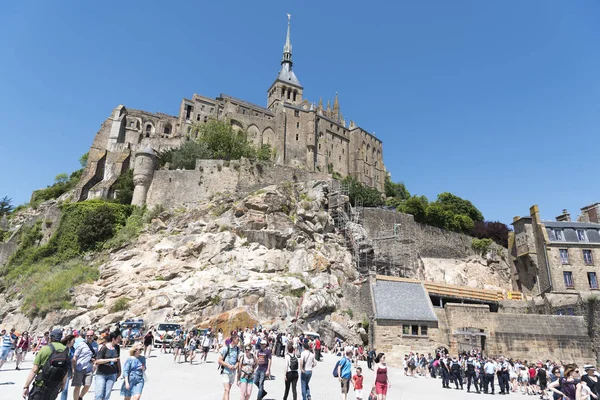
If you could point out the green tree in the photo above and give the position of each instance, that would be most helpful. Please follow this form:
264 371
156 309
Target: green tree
397 190
458 205
415 206
185 157
123 187
5 205
61 178
224 142
83 160
370 197
436 215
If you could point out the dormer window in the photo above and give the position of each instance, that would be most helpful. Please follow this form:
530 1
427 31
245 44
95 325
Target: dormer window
581 235
559 235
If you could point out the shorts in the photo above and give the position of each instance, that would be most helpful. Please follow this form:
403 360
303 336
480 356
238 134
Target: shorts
358 393
247 380
205 349
82 378
192 348
345 385
228 378
381 388
4 354
532 381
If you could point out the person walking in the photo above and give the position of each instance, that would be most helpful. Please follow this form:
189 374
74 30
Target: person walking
344 371
357 383
49 372
247 363
68 341
307 363
570 385
291 371
228 361
83 364
472 367
22 347
490 369
108 367
503 376
382 382
263 370
455 373
445 370
133 374
7 344
148 342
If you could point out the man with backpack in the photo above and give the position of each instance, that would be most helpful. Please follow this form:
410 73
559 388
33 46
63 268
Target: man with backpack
344 373
228 364
49 371
471 373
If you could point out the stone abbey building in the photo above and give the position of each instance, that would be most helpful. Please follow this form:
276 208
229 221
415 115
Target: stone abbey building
303 135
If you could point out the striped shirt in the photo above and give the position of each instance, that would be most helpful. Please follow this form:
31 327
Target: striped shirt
6 341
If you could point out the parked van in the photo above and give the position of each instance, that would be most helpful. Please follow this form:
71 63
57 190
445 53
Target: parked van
165 332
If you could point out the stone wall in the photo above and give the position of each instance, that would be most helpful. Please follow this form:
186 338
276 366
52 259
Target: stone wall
524 336
410 249
173 189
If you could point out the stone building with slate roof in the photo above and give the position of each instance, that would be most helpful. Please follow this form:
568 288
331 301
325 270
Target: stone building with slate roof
558 257
303 134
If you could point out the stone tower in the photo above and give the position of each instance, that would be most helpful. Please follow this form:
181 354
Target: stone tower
287 87
143 172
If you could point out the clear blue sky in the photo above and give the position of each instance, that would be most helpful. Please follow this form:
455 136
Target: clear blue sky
495 101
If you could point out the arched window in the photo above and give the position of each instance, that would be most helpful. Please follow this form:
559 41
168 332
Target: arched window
167 129
148 130
295 93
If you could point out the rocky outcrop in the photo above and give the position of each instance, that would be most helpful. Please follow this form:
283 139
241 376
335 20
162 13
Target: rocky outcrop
271 257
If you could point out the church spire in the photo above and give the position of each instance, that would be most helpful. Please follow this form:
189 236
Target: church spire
336 108
287 48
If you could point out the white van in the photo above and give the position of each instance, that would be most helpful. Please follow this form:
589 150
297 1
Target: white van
165 332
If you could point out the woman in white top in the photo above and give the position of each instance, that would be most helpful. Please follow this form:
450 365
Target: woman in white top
307 363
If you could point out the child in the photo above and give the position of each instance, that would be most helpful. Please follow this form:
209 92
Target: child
373 395
357 383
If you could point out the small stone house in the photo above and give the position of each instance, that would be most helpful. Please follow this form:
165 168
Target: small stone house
403 318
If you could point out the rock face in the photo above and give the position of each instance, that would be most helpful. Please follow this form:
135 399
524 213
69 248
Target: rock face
270 257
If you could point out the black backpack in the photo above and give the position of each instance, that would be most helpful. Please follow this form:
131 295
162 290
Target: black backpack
293 363
55 368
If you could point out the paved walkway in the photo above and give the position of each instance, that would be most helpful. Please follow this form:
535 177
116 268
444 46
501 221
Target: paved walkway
170 381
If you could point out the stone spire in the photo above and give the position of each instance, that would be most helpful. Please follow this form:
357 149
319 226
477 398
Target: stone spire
287 48
320 106
336 108
328 111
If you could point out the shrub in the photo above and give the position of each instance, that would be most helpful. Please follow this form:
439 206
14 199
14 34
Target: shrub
495 230
481 245
131 230
48 288
121 304
62 184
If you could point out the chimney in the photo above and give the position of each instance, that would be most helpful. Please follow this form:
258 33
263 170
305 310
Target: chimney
564 217
591 213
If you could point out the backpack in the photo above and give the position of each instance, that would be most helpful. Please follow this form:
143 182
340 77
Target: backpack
411 363
293 363
55 368
339 363
219 366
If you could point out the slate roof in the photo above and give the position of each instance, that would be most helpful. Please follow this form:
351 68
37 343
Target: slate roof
569 230
403 301
287 75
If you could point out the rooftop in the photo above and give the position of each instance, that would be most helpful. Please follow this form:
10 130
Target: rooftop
403 301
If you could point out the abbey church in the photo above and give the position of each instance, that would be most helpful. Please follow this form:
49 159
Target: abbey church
303 135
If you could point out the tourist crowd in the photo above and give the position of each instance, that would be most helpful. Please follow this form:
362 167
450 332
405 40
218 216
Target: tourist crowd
69 361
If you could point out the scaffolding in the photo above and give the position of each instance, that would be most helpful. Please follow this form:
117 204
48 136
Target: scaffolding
348 219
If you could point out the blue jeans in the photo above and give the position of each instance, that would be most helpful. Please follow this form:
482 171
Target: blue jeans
65 391
259 380
104 385
304 380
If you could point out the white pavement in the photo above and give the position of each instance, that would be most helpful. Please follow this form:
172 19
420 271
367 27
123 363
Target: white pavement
170 381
